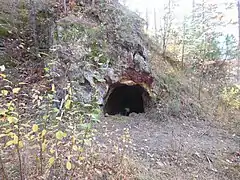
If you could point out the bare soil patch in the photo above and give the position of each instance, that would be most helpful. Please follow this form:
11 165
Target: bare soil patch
175 148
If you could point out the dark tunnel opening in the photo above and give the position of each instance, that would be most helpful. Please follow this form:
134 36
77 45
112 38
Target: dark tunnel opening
125 99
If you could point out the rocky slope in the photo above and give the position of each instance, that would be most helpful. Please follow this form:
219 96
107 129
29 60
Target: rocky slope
97 48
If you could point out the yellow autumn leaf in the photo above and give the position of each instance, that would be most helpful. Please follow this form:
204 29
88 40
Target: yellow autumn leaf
32 137
16 90
20 144
69 166
45 117
10 106
51 161
53 88
4 92
22 83
73 140
66 97
64 134
81 158
12 119
58 118
80 149
70 91
68 104
35 128
15 139
3 75
8 131
59 135
75 148
44 133
52 151
9 143
44 146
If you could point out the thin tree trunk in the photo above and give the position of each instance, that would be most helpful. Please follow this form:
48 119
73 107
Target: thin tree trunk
19 153
147 20
165 20
183 45
155 22
199 89
166 27
204 51
238 64
33 24
164 39
193 9
160 31
65 6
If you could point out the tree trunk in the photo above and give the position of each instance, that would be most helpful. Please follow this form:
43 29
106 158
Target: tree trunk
167 27
193 10
238 64
164 39
33 24
155 22
183 41
204 51
147 20
65 6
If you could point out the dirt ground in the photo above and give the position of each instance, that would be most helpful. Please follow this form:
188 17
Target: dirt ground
175 148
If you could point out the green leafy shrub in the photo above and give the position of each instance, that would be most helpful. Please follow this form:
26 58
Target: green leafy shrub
57 137
38 140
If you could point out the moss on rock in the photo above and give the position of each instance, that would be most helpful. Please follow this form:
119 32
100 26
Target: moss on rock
3 32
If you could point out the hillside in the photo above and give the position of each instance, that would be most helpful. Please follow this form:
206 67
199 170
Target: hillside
86 93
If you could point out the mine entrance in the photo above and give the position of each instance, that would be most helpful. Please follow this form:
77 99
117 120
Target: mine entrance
125 99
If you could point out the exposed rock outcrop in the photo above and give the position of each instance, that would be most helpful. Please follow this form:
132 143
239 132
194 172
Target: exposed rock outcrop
98 47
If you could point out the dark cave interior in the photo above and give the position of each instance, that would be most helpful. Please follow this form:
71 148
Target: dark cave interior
125 99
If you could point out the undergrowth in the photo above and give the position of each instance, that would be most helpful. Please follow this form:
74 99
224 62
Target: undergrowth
179 92
40 140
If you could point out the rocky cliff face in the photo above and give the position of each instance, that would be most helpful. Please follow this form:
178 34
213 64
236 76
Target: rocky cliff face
95 50
99 49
